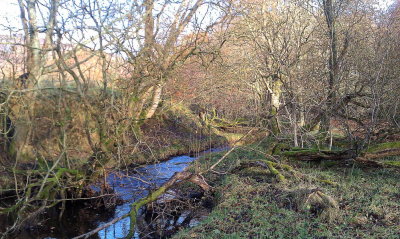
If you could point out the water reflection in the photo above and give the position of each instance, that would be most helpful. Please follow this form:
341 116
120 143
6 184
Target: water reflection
138 185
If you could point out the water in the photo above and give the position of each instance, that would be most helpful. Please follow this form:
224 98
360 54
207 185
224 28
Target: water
136 186
81 218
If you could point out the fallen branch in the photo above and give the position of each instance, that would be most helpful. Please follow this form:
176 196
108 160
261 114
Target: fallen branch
235 145
177 177
115 220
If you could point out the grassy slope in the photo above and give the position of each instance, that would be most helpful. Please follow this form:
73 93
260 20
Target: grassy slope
252 204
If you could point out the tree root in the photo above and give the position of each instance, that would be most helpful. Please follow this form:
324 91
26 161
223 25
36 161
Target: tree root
44 190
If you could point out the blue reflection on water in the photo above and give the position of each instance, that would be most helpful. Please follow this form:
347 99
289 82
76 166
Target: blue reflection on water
135 186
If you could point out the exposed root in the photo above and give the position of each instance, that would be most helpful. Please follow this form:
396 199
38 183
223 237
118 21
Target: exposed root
45 190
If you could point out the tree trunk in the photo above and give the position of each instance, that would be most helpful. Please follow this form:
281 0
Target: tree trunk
332 64
155 101
295 141
137 108
275 91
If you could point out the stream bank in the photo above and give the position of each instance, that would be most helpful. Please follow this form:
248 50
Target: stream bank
173 131
127 186
317 199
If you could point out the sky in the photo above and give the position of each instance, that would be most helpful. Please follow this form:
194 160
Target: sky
9 12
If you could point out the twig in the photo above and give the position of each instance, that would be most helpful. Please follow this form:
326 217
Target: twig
115 220
227 153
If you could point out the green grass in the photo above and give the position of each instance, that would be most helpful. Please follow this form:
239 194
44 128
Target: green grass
251 203
383 146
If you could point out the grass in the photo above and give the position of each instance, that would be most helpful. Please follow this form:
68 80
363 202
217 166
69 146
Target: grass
383 146
251 203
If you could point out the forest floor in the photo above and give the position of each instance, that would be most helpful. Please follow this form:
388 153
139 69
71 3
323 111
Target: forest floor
327 201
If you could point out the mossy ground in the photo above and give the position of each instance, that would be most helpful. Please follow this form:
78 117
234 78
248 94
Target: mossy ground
251 203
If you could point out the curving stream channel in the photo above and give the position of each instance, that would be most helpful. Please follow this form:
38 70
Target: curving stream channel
136 185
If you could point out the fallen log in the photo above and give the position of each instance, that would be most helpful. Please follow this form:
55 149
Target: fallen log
365 158
315 154
378 164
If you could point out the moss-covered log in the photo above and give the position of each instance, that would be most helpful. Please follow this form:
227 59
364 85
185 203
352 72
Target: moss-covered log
365 159
315 154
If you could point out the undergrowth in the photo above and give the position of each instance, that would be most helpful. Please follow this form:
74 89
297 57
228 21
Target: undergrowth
251 203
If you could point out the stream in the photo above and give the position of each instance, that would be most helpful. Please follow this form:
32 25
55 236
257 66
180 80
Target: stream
131 188
79 220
